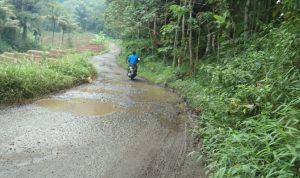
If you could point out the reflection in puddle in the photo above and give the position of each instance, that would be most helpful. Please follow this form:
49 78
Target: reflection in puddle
83 107
153 94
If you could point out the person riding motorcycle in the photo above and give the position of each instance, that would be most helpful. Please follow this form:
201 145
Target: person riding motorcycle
133 60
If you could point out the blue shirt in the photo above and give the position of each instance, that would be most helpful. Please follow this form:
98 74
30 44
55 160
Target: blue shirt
133 59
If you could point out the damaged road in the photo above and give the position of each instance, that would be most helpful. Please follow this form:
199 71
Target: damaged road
111 128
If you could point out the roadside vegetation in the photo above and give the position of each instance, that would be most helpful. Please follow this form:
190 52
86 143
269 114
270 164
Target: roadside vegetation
237 64
28 79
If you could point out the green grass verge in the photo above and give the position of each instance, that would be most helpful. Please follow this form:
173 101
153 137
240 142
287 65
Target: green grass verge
28 79
249 106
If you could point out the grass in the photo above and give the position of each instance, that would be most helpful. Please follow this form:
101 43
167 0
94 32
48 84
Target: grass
28 79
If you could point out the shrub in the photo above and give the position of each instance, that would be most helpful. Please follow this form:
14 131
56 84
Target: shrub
5 47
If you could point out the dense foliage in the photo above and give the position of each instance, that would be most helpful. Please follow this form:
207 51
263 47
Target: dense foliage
237 63
29 79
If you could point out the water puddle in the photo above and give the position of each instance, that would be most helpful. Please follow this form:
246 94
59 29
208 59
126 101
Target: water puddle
115 81
153 94
83 107
100 90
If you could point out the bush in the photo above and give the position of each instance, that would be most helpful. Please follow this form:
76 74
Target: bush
5 47
12 41
75 66
23 45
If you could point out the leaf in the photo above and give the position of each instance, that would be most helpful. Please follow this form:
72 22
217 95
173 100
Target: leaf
219 19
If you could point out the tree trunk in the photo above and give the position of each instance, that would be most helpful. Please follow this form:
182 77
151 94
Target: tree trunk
198 44
255 14
191 35
54 26
176 42
150 34
165 23
218 47
24 34
62 38
155 32
208 44
166 14
246 19
182 38
269 4
213 43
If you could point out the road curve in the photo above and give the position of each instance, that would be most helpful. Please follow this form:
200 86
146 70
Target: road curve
111 128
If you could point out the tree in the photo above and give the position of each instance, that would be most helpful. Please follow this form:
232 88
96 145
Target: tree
67 25
82 15
26 12
8 22
54 12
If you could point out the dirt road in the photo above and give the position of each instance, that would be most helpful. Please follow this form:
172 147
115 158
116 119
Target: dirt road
111 128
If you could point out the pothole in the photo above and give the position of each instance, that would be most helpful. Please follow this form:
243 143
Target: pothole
82 107
153 94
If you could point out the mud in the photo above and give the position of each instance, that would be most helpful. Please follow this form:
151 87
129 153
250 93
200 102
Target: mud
111 128
150 93
81 107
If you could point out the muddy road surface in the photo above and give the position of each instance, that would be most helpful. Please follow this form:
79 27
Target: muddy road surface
111 128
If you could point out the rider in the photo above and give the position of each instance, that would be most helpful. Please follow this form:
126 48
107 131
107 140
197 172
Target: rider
133 59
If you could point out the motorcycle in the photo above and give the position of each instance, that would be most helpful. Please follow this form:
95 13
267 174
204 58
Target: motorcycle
132 71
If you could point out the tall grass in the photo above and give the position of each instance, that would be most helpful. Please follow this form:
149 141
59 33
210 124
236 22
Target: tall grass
249 106
28 79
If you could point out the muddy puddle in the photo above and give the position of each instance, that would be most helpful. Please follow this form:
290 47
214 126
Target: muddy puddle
82 107
100 90
175 125
114 81
151 93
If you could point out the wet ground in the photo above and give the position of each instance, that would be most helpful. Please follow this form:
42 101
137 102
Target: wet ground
111 128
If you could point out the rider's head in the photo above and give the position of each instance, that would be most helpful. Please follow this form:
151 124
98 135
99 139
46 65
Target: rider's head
133 52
